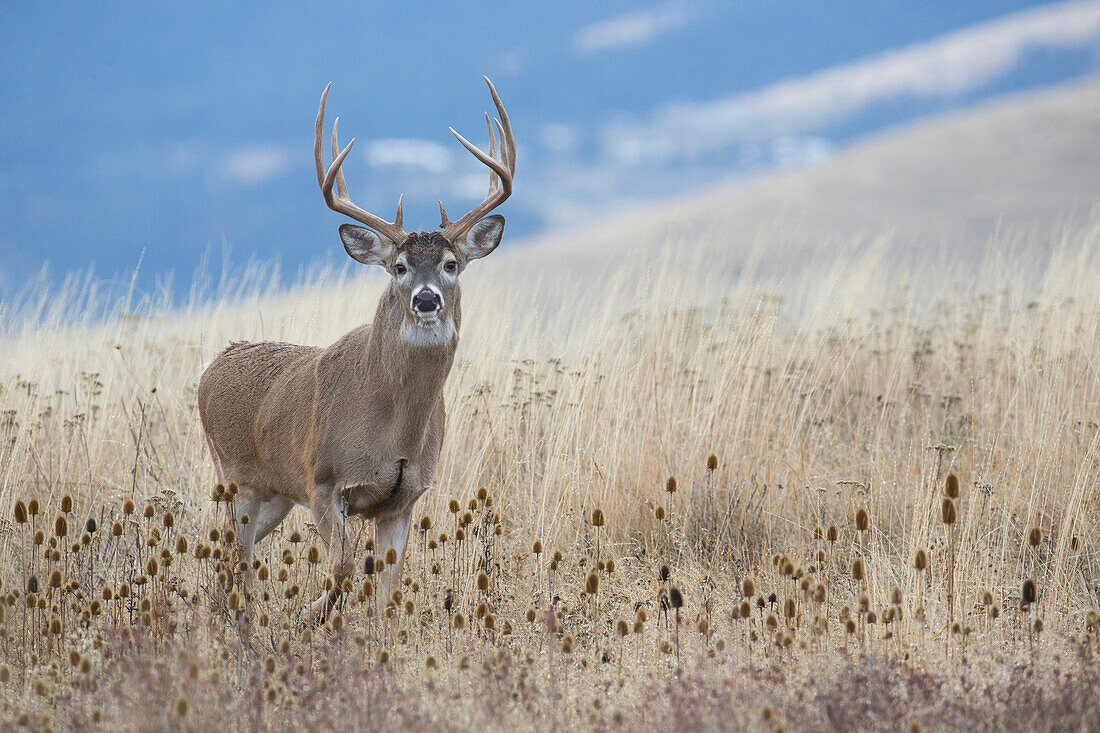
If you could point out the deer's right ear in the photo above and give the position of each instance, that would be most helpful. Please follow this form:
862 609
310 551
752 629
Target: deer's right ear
364 245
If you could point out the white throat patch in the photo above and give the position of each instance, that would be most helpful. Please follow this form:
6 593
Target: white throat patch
428 333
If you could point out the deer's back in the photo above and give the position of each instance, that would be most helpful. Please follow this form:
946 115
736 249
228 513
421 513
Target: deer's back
254 390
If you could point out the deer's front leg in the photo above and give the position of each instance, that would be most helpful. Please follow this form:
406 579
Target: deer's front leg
391 531
331 519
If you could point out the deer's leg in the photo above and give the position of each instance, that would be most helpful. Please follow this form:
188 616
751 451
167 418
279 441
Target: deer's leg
272 512
330 517
246 507
391 531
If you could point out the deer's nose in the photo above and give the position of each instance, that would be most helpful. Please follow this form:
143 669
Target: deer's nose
427 301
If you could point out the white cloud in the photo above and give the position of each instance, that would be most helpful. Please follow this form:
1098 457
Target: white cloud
256 164
409 153
948 65
559 138
631 30
512 62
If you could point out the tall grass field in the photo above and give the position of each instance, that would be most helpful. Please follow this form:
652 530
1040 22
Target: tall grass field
699 485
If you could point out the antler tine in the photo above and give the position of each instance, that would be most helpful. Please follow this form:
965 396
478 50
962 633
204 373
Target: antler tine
493 178
501 170
318 145
506 127
341 184
333 174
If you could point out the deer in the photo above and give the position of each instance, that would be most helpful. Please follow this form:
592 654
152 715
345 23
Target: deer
355 428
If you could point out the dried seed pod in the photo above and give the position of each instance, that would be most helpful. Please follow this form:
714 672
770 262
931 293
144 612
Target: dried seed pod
948 512
951 486
748 587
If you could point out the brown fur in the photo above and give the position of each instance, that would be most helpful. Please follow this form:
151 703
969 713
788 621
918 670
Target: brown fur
352 429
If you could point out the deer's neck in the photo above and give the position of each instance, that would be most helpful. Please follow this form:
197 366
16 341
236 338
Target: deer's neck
409 369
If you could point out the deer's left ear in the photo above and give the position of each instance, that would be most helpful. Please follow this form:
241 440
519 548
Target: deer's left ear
483 237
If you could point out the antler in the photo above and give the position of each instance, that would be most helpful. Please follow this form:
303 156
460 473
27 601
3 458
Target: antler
500 171
340 202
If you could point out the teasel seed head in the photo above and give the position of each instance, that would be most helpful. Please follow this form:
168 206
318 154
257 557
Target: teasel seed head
592 583
748 587
482 581
567 644
712 462
1028 594
597 517
951 487
1035 536
128 507
20 512
896 596
831 533
857 568
863 519
948 511
670 485
659 513
920 559
675 598
61 526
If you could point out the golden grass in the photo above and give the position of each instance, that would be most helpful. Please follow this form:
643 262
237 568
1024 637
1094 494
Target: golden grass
834 391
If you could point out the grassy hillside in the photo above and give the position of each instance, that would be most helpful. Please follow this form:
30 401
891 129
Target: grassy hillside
820 391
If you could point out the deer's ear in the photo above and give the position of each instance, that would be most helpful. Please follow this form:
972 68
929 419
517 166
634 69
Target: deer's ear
364 245
483 237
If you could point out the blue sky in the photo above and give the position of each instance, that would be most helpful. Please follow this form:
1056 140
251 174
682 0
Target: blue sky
156 132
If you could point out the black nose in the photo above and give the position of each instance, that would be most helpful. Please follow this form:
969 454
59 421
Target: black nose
427 301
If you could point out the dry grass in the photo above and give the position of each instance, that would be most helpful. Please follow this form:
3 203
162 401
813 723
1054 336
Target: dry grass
834 394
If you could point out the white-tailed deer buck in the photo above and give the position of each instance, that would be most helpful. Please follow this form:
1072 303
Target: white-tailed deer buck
355 428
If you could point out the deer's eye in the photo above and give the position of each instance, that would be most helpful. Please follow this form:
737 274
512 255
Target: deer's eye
399 269
450 266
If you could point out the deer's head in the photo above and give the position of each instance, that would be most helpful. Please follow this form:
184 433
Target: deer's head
425 266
